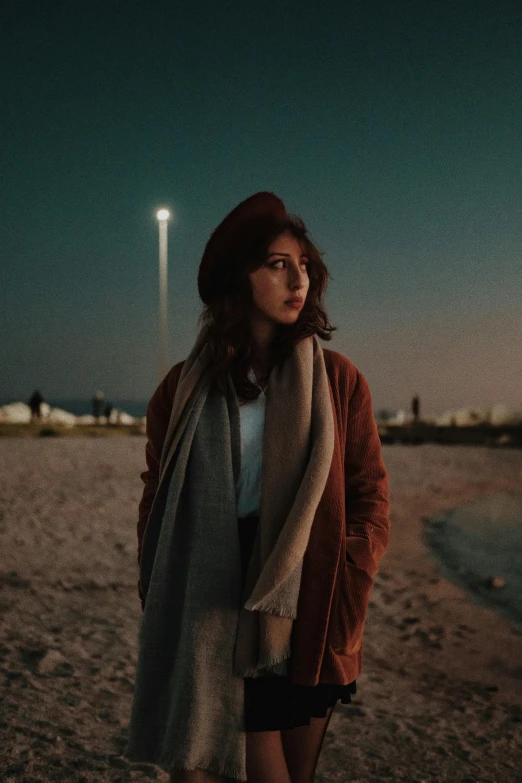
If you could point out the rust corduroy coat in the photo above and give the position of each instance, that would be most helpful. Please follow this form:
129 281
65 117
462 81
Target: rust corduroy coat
349 535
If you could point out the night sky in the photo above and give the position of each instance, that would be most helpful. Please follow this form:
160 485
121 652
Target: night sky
392 128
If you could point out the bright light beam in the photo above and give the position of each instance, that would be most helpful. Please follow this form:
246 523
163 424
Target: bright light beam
163 216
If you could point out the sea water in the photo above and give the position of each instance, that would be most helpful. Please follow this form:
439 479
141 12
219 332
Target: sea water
480 540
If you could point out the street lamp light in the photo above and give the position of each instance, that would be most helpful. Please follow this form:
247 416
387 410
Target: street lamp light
163 216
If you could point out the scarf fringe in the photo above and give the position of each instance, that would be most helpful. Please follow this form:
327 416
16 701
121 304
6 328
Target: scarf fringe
209 764
269 607
268 662
273 659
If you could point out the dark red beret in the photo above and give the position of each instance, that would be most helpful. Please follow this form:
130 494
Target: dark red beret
245 219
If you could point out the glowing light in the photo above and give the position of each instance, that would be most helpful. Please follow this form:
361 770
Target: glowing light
163 214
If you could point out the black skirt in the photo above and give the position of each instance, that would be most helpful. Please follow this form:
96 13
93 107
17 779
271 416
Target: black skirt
272 702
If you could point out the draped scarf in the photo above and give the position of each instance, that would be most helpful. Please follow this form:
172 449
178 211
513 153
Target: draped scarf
202 631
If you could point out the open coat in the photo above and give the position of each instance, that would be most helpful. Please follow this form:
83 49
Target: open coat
349 535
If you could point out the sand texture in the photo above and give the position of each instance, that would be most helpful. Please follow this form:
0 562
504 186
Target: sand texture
440 697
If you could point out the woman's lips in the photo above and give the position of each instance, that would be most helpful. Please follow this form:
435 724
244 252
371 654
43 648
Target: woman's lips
296 304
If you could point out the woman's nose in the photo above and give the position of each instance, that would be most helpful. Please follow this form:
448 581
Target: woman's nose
297 280
297 276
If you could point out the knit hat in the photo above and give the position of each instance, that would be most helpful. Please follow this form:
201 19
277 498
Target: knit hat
246 221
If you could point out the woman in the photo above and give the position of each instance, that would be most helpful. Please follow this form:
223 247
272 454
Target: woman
263 519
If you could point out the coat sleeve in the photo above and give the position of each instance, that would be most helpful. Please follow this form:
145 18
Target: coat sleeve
366 481
157 422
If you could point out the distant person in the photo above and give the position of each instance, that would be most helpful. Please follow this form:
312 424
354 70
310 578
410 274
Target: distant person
107 411
35 403
259 262
415 407
97 405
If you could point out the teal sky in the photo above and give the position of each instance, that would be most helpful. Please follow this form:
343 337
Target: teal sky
391 128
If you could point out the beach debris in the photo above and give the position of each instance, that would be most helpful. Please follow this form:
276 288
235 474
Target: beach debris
429 638
503 440
50 661
495 582
435 632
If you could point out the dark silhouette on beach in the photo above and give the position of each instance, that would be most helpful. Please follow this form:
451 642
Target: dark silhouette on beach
35 403
97 405
415 408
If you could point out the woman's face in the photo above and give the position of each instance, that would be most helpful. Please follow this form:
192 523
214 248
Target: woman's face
282 276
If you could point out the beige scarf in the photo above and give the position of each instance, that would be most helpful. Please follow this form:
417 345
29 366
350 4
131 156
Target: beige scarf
194 508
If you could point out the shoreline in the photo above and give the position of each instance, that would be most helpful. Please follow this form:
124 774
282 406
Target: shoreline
479 547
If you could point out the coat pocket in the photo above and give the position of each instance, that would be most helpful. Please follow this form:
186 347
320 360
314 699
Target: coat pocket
349 611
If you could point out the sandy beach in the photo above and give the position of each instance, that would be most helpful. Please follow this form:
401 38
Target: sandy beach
440 697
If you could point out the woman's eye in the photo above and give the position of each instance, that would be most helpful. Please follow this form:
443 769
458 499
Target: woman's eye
282 261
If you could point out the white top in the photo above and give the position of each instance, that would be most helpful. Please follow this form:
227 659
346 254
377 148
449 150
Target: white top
252 422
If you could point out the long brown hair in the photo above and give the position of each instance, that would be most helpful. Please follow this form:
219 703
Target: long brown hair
226 318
